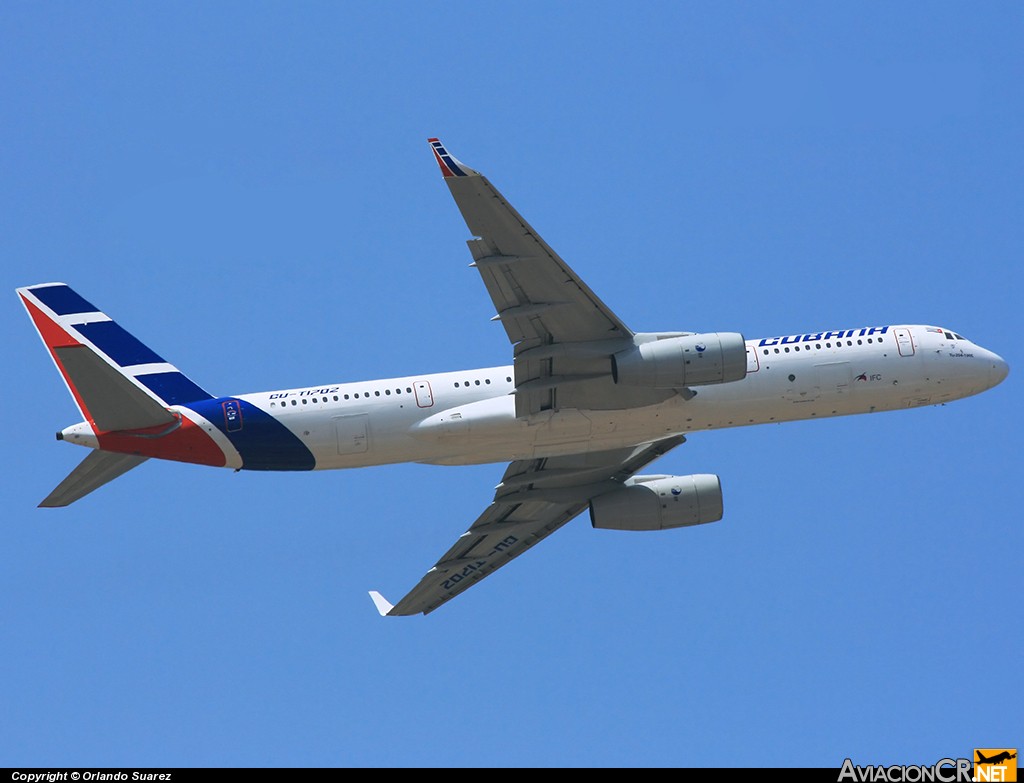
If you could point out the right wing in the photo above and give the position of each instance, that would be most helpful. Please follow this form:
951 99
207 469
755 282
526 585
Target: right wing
563 334
534 499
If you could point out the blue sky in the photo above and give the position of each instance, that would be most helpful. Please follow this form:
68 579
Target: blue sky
248 189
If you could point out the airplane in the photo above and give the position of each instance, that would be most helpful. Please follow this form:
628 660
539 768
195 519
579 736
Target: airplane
999 758
586 405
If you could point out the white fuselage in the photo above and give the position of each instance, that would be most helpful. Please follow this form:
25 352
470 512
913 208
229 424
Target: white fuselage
458 418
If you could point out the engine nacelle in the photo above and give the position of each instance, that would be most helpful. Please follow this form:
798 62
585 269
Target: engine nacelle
678 362
659 503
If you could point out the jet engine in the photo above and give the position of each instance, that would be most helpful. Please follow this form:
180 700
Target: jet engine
659 503
678 362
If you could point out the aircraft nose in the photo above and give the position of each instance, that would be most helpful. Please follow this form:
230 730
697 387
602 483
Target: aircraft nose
1000 369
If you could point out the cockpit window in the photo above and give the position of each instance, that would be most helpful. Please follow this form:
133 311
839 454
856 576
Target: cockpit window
949 335
957 336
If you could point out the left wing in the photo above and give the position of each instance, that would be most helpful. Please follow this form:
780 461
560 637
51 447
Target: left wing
534 499
563 335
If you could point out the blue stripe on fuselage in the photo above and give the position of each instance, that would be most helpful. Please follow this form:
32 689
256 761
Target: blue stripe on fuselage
263 442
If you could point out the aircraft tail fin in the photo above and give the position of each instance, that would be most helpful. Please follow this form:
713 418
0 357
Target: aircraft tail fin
117 382
98 468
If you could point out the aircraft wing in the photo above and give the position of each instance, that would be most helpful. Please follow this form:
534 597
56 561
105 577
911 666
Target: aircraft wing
563 334
534 499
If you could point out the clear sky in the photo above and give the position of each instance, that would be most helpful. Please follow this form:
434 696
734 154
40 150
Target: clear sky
248 189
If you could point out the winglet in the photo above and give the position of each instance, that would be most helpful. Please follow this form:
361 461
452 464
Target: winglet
382 603
450 166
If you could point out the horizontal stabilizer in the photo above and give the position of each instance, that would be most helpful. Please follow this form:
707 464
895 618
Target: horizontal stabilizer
113 400
92 473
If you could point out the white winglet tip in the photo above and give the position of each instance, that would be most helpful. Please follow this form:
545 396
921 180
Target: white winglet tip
382 603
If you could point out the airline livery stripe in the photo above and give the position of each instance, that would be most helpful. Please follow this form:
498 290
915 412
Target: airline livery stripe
62 300
450 163
74 319
118 344
150 369
173 388
262 441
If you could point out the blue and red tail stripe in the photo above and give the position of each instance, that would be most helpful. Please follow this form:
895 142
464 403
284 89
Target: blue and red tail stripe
245 435
62 300
262 442
83 323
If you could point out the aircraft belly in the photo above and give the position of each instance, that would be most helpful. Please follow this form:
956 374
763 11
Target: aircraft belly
562 428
